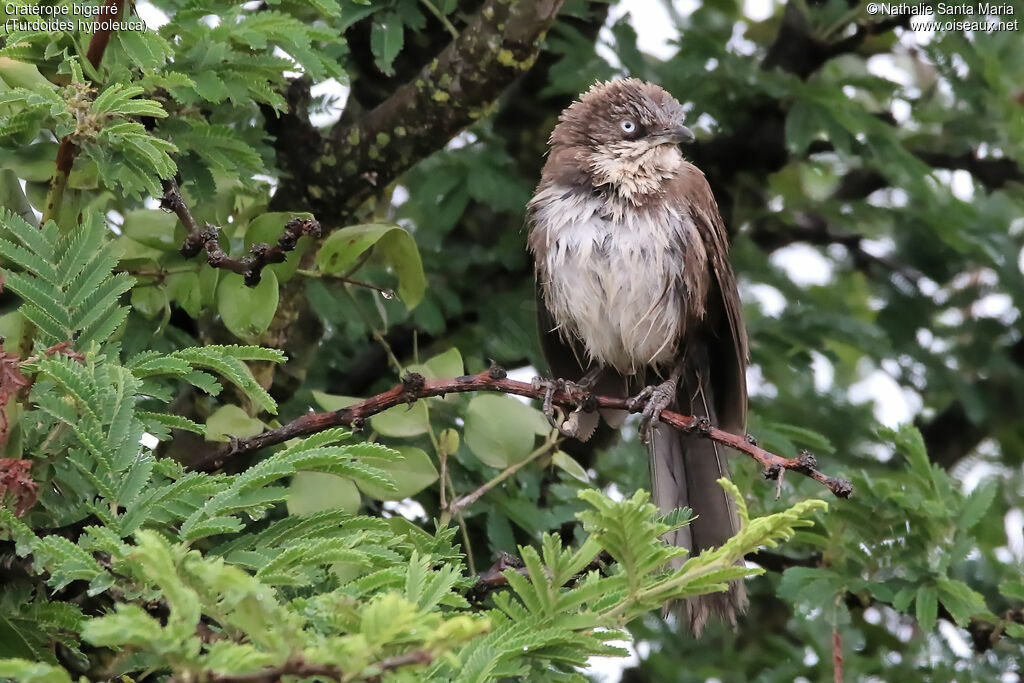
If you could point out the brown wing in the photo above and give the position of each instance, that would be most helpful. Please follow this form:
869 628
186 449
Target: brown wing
729 356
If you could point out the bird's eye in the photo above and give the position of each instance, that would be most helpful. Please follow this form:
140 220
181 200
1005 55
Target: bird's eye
627 126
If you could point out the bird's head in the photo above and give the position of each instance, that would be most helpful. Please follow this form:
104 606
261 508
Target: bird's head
625 132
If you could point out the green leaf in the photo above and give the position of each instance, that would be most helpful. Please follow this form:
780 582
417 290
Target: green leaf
811 585
410 475
1012 589
21 75
441 366
25 671
185 290
14 642
977 504
565 462
386 39
333 402
392 245
154 228
501 430
402 420
926 607
149 300
228 421
247 311
312 492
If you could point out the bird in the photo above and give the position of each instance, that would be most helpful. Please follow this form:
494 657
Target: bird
634 284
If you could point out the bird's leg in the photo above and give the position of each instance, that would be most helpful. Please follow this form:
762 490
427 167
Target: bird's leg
654 399
550 386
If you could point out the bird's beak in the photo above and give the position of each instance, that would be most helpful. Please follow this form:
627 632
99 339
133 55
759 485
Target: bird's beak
676 135
683 135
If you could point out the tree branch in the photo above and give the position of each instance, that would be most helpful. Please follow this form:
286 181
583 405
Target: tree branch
771 234
799 49
993 174
67 150
335 175
206 237
414 387
303 669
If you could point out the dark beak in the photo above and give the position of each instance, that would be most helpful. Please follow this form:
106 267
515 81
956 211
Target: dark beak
676 135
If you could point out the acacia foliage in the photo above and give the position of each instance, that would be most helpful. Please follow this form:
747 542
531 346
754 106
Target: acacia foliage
888 164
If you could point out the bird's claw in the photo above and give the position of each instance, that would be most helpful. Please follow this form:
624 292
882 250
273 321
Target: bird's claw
654 399
570 426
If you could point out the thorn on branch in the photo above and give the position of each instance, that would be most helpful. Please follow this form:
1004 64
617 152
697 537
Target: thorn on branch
807 460
588 403
842 488
412 385
703 426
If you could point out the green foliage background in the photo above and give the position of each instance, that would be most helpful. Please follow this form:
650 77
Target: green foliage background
872 182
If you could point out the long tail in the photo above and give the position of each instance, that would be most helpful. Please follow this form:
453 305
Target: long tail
684 471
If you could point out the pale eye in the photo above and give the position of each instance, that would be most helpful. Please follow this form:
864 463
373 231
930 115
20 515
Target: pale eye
627 126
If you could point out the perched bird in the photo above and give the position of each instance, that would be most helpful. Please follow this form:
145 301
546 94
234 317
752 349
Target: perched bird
634 286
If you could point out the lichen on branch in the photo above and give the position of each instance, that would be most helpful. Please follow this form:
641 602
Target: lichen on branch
333 175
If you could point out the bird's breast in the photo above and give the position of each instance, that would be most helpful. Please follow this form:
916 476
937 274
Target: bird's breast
623 283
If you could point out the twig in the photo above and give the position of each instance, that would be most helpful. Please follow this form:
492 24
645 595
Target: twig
471 498
441 17
67 150
206 237
386 292
837 655
494 578
415 387
304 669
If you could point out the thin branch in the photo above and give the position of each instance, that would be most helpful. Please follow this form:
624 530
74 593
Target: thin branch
67 150
494 578
837 655
386 292
206 237
441 18
303 669
414 387
770 234
471 498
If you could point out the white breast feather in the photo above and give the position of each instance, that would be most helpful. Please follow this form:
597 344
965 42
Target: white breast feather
611 279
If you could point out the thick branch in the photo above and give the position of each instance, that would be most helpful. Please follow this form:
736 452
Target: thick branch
770 234
206 237
335 175
993 174
799 49
414 387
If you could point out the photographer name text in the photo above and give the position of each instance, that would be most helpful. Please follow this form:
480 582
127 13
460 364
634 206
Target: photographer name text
985 17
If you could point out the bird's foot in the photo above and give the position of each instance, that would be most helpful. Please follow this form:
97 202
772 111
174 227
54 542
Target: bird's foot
569 426
654 400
